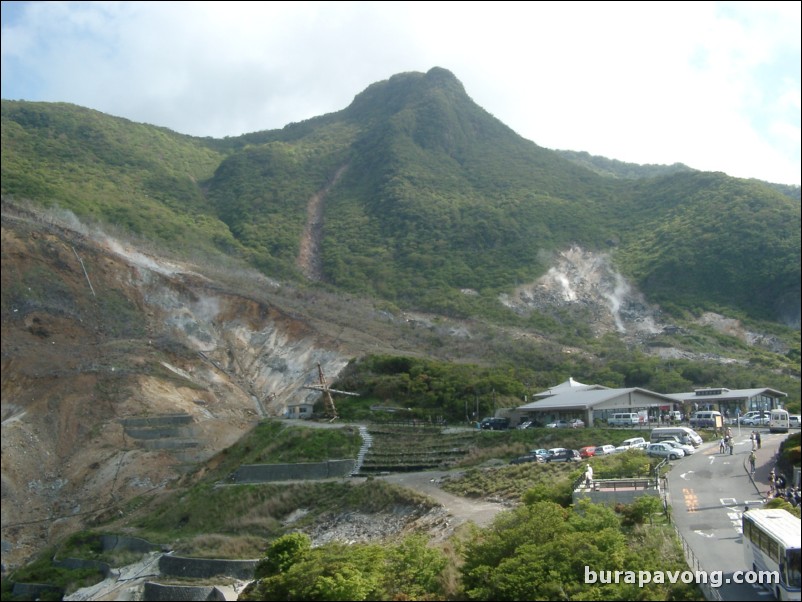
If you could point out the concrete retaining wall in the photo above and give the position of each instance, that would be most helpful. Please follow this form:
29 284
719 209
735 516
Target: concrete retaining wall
157 421
34 591
201 568
162 432
168 443
264 473
157 591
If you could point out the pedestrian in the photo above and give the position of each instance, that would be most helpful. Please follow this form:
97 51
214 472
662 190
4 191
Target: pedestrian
589 476
753 439
757 438
771 483
721 445
732 445
752 459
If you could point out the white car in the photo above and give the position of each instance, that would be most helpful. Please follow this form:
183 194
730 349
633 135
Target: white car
664 450
687 449
633 443
604 450
793 421
755 419
746 418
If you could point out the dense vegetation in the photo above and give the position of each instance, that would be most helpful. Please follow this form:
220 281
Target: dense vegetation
434 196
460 392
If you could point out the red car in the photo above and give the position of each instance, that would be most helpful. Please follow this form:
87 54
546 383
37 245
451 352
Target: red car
587 452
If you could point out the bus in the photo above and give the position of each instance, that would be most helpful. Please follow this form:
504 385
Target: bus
779 421
771 543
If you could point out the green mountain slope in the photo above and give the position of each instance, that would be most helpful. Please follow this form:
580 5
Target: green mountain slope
140 178
421 193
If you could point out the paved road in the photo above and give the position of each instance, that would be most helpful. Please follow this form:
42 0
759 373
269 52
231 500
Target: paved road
708 492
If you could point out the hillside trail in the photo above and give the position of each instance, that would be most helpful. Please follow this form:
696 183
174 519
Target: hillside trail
309 260
461 509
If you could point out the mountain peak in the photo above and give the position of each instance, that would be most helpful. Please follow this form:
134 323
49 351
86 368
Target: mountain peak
391 95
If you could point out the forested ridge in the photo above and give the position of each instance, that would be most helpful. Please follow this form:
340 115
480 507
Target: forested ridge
438 196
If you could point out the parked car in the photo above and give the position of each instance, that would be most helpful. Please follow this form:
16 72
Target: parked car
560 454
758 420
793 421
526 459
529 424
576 423
604 450
664 450
687 449
745 418
633 443
543 453
588 451
494 424
558 424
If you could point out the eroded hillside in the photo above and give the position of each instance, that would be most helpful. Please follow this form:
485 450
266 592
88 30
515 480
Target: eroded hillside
121 369
117 377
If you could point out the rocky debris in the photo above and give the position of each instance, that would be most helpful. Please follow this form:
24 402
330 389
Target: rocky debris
354 527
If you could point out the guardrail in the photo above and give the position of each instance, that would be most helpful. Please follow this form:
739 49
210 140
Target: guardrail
709 592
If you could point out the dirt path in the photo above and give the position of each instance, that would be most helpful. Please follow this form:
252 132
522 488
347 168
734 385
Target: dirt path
309 256
460 508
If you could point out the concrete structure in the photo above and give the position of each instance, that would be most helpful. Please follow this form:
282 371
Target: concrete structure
729 401
181 593
202 568
591 402
617 491
266 473
301 410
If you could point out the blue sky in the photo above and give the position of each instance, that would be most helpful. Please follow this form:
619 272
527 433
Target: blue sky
714 85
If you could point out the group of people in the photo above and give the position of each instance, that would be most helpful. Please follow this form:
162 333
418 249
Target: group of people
778 487
754 437
726 444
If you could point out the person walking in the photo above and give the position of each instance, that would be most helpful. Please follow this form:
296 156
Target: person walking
589 476
757 438
752 459
722 445
753 439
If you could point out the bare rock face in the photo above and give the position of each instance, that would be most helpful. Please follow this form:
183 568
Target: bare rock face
586 283
120 370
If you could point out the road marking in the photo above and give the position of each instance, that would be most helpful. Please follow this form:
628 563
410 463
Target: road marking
691 501
728 501
703 534
682 476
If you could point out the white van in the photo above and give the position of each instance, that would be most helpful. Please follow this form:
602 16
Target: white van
779 421
707 418
624 419
683 433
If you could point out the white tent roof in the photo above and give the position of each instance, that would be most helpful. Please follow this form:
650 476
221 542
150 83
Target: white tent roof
569 385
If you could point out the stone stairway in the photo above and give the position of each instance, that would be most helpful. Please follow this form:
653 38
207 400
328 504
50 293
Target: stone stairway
367 441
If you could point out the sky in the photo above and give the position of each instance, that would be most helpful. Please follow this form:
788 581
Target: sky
713 85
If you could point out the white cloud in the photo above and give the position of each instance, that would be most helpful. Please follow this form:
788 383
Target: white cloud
712 85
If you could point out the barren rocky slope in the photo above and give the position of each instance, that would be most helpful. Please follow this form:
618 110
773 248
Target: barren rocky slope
120 368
